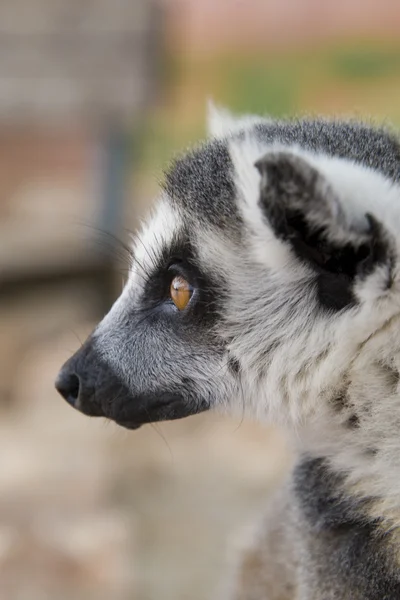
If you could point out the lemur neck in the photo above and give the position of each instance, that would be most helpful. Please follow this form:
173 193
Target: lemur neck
358 436
339 532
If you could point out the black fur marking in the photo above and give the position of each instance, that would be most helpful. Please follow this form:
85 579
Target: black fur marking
394 377
341 401
353 555
391 375
342 404
335 292
322 498
372 452
234 365
353 422
380 250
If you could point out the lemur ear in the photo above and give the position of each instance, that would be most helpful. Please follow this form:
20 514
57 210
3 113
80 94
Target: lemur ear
303 210
221 122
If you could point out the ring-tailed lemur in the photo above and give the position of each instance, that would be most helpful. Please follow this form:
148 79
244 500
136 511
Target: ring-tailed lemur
269 278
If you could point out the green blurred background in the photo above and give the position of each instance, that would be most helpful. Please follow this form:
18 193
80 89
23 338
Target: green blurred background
348 77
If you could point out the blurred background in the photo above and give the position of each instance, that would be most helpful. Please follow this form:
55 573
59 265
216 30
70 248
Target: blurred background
95 98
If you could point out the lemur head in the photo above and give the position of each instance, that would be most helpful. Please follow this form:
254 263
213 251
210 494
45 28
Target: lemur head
267 280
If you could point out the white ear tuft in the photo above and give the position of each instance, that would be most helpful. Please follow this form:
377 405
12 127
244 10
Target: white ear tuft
221 122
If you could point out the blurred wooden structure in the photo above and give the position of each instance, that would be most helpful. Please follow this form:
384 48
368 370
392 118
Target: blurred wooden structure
82 66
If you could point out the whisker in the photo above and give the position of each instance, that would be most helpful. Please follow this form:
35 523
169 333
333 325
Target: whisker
162 436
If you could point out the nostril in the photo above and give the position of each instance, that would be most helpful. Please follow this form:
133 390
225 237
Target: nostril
74 387
68 385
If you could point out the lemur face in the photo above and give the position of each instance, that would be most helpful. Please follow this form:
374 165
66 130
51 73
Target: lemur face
262 274
157 355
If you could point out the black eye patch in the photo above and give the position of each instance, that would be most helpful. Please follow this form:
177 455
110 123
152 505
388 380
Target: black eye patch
180 258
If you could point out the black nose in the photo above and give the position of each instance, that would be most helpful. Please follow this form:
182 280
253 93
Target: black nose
68 385
81 380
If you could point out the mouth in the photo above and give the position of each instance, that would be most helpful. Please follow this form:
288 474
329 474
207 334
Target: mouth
152 409
99 392
131 425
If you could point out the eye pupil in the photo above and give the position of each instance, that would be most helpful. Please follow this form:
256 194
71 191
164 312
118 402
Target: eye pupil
180 291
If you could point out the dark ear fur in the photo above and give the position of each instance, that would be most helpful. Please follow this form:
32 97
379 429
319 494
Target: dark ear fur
303 210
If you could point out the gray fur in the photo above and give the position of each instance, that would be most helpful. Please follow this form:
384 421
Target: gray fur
289 234
202 183
374 148
316 544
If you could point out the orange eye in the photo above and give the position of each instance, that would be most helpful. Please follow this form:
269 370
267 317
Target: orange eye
180 291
